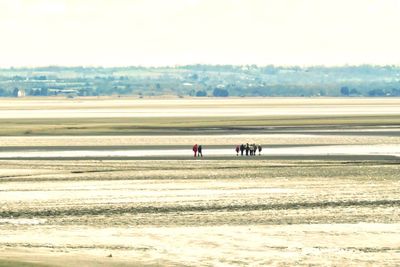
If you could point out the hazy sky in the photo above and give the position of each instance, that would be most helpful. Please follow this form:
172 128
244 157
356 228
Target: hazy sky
170 32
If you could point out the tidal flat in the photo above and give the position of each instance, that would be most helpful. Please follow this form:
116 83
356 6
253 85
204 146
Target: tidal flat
303 201
209 212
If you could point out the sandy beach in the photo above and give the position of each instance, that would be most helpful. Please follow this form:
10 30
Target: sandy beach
88 194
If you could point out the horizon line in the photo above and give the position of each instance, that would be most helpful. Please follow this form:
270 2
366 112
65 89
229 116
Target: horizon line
199 64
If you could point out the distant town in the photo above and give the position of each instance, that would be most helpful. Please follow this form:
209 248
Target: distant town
202 81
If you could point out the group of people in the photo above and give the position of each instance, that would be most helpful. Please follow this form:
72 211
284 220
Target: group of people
244 149
250 150
198 150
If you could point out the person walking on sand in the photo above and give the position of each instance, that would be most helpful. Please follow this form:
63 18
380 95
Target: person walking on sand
247 149
195 148
241 149
259 150
200 151
237 150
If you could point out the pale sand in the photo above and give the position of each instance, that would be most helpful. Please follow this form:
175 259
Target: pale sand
200 213
190 140
210 107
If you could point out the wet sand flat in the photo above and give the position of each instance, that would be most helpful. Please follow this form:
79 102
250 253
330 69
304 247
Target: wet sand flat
201 213
91 116
211 152
93 182
160 141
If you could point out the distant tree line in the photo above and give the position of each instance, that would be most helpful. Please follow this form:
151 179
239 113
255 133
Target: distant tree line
204 80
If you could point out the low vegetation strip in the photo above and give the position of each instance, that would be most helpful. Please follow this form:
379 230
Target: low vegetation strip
190 125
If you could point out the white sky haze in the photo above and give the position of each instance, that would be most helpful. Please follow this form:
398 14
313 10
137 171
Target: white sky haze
176 32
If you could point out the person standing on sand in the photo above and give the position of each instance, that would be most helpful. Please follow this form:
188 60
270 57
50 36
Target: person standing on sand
247 149
241 149
200 151
195 150
237 150
259 150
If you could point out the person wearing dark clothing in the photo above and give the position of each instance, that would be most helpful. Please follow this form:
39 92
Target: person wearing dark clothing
200 151
241 149
237 149
247 149
259 150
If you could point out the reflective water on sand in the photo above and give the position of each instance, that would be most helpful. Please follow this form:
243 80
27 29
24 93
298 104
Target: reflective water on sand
393 150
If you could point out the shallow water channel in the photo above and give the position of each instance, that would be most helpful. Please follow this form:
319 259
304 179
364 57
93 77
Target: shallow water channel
378 150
